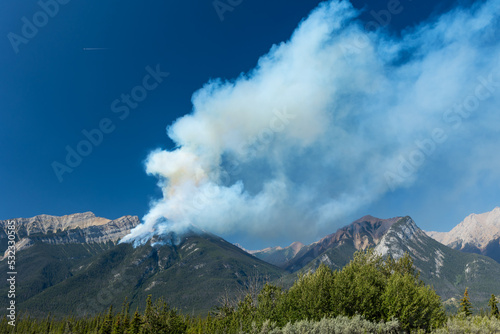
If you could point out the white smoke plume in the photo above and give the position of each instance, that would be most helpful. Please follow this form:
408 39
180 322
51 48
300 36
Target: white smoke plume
326 123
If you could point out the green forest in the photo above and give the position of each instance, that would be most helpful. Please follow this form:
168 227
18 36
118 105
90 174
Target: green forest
371 294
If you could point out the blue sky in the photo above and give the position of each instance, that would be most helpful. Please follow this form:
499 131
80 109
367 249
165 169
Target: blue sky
52 90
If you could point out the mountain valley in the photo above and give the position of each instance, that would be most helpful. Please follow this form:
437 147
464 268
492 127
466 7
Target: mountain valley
76 264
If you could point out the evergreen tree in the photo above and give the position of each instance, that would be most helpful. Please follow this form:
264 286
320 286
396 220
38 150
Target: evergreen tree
135 324
107 325
465 304
245 314
311 296
271 304
494 308
159 318
359 286
125 314
403 265
412 303
149 319
372 287
117 326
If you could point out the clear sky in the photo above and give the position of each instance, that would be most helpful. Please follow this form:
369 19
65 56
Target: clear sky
71 75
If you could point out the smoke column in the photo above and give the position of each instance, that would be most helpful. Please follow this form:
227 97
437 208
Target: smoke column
325 124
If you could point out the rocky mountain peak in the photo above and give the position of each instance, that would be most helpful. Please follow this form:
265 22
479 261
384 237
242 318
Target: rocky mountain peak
360 234
476 230
404 232
82 228
278 255
296 246
51 224
365 232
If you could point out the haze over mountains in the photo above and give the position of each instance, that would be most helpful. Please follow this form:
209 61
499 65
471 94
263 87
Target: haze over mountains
336 249
278 255
76 264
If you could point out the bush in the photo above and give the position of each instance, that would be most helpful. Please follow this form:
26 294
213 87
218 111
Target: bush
472 324
371 294
415 305
341 325
370 286
359 286
310 297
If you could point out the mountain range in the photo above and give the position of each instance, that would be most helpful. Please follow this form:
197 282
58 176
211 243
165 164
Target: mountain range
477 233
76 264
79 228
450 271
335 250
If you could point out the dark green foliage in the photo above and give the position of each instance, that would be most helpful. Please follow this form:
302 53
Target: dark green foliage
270 303
107 325
135 324
117 326
494 308
371 286
43 266
373 291
193 274
412 303
159 318
311 296
360 285
465 304
378 289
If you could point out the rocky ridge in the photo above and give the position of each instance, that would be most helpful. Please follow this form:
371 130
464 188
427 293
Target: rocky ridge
81 228
448 270
278 255
477 233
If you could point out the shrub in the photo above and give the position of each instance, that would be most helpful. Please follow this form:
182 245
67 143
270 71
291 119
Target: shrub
473 324
341 325
310 297
413 303
359 286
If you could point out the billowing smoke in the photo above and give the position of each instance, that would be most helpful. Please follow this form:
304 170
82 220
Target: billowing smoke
326 123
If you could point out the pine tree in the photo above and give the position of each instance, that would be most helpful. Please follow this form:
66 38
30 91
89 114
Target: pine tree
117 326
149 319
135 324
125 313
48 323
465 304
494 308
107 324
